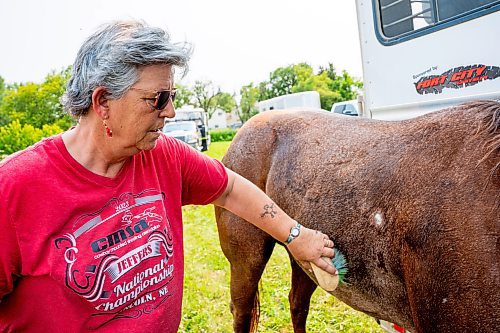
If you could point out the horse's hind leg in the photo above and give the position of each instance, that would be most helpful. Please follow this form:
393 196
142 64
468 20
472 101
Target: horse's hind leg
248 250
300 297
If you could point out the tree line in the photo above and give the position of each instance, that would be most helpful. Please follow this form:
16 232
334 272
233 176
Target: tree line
331 86
30 111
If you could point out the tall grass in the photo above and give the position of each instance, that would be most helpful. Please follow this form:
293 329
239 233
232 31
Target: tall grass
206 290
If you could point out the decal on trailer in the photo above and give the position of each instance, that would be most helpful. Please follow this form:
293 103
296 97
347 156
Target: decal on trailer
456 78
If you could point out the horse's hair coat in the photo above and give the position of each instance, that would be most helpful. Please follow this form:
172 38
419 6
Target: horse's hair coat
412 204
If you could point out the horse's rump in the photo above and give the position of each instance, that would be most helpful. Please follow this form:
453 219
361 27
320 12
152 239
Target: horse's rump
413 205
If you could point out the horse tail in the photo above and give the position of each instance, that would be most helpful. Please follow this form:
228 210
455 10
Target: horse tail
255 312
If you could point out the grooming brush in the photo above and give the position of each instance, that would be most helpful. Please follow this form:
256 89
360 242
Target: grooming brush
326 280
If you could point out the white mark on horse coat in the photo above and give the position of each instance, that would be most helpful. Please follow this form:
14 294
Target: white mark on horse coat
378 220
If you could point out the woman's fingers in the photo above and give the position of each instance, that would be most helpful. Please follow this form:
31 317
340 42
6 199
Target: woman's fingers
324 265
328 252
315 247
328 243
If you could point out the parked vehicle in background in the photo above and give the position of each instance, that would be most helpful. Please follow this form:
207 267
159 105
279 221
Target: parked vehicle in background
186 131
348 108
308 99
189 125
236 125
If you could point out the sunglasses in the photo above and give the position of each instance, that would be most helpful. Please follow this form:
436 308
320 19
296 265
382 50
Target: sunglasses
160 101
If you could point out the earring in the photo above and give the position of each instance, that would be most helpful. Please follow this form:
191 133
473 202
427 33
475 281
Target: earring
109 132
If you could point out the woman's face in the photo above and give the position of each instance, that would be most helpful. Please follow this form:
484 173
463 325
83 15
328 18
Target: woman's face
135 123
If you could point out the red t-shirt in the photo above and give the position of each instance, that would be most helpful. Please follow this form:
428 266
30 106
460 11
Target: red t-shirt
82 252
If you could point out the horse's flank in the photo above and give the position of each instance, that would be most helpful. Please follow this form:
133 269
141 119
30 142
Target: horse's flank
412 204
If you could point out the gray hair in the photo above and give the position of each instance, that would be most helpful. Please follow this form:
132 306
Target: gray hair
111 58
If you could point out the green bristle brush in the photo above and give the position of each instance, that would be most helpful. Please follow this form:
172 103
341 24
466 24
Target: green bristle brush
326 280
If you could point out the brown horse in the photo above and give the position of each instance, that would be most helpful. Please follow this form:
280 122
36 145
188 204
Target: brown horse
413 205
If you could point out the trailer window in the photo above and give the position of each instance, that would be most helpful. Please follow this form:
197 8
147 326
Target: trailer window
410 18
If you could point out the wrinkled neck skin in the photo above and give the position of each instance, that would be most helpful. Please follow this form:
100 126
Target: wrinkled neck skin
89 145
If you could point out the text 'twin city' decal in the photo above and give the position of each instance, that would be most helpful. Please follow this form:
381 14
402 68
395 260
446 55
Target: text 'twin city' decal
456 78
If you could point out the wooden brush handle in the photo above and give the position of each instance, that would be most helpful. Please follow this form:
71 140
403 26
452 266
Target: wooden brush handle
326 280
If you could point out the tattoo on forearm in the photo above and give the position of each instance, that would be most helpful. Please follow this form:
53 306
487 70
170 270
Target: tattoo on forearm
269 210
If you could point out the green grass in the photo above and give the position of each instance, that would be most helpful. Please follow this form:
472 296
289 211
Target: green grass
206 290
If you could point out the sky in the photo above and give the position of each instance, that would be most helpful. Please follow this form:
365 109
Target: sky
234 42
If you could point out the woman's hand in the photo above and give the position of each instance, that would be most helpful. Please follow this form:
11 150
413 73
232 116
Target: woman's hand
310 246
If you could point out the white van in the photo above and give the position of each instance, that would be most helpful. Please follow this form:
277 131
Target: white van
348 108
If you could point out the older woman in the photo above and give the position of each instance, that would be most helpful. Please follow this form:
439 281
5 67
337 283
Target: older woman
90 220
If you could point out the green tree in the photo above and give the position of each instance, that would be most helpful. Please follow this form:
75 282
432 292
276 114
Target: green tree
183 97
4 117
264 91
320 83
2 88
300 77
304 74
210 98
284 81
225 102
15 136
36 104
249 98
347 86
204 94
280 82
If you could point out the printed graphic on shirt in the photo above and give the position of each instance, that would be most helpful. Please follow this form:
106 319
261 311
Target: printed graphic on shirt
119 258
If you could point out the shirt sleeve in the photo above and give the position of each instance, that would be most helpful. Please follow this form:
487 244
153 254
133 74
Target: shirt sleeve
10 259
204 179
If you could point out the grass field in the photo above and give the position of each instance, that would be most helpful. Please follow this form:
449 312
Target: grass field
206 291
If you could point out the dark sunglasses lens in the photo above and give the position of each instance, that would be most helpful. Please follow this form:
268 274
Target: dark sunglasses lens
162 100
172 94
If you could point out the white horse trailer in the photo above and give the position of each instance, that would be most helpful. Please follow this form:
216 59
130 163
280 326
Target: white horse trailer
307 99
423 55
